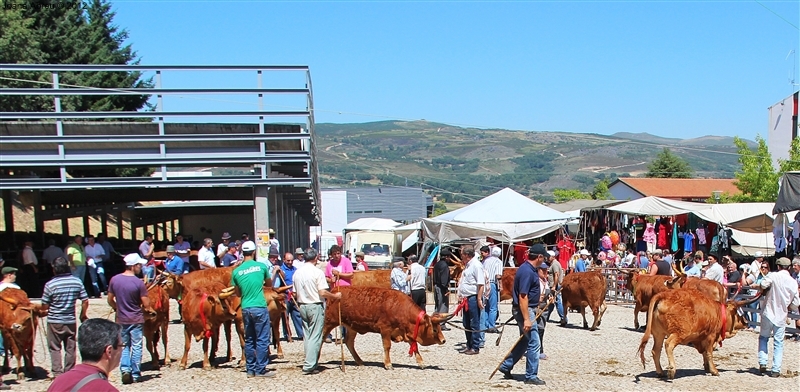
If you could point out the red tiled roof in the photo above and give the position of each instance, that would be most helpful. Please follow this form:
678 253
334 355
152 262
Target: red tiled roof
681 188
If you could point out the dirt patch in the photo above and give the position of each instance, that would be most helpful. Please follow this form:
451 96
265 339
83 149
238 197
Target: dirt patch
612 362
612 373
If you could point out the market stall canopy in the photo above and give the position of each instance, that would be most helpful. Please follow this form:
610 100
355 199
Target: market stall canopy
375 224
754 224
652 205
728 214
506 216
410 234
789 193
583 205
747 244
505 206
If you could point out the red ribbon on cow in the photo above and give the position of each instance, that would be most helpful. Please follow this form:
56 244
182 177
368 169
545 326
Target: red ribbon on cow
414 349
206 332
724 312
461 305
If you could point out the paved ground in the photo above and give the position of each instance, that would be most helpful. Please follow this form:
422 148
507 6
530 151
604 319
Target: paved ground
578 360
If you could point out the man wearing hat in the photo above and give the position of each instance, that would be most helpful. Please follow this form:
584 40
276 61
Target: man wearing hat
9 277
714 271
127 295
58 300
249 278
525 302
222 248
173 263
780 291
361 265
273 242
299 257
183 249
758 259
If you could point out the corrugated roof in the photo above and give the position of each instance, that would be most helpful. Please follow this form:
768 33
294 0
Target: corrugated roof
680 188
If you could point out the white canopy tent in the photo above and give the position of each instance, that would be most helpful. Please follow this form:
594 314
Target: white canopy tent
374 224
409 233
652 205
506 216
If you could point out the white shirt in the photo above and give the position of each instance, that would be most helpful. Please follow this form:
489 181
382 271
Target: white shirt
493 267
4 285
95 252
308 281
28 257
471 278
782 292
221 250
205 257
417 276
273 242
53 252
715 272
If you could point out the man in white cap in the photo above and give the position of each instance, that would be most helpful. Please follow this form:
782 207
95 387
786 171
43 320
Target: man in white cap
580 265
127 295
780 291
755 266
555 276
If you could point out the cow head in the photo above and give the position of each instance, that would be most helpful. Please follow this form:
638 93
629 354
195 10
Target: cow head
630 278
172 284
25 319
430 329
736 320
276 297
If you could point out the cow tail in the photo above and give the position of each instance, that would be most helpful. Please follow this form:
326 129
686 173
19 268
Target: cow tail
648 329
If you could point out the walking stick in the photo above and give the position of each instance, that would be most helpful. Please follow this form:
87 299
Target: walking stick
341 342
538 314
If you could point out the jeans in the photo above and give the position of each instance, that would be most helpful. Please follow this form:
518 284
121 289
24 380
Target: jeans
294 314
79 272
491 307
472 320
256 339
528 346
778 333
131 350
313 316
440 299
559 305
96 272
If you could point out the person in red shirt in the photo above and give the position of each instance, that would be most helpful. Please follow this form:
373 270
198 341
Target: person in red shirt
100 345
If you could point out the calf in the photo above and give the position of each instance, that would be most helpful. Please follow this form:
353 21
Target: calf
688 316
643 287
582 289
204 310
156 323
372 278
388 312
19 319
507 283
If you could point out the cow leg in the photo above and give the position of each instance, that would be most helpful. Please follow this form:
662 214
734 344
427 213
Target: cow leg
672 341
240 332
275 325
350 341
228 341
164 327
706 367
18 355
387 345
598 315
206 361
186 346
149 337
419 360
583 314
636 316
708 356
658 344
212 356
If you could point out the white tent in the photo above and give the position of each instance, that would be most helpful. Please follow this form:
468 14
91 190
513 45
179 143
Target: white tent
726 214
506 216
652 205
374 224
410 234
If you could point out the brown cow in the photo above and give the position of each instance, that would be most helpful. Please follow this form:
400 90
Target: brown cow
507 283
387 312
687 316
19 319
204 311
711 288
582 289
643 287
372 278
156 323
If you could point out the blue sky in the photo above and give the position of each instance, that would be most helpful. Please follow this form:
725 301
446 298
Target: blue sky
670 68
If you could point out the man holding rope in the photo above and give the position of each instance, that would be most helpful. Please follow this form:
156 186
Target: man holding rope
525 300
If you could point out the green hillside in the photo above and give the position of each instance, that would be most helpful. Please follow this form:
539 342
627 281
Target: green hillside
462 164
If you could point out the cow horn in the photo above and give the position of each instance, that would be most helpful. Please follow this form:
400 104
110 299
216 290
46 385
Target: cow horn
283 289
747 301
165 273
10 301
227 292
438 318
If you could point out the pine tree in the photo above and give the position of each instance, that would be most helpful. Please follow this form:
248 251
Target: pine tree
669 165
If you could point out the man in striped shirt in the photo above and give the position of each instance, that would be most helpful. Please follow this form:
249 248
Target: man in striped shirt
58 299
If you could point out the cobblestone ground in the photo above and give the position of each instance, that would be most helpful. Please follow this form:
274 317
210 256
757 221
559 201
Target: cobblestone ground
579 360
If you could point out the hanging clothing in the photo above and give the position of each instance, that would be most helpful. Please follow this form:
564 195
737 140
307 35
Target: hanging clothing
688 242
701 235
675 238
663 234
649 235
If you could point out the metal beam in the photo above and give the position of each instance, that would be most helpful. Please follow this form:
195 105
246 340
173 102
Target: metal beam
125 68
152 138
152 160
123 182
149 91
104 196
62 115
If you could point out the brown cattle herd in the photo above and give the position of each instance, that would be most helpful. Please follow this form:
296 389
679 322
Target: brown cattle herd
679 311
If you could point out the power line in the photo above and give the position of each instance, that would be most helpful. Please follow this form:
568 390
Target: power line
776 14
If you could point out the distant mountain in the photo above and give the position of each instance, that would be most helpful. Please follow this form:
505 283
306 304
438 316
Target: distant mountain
463 164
